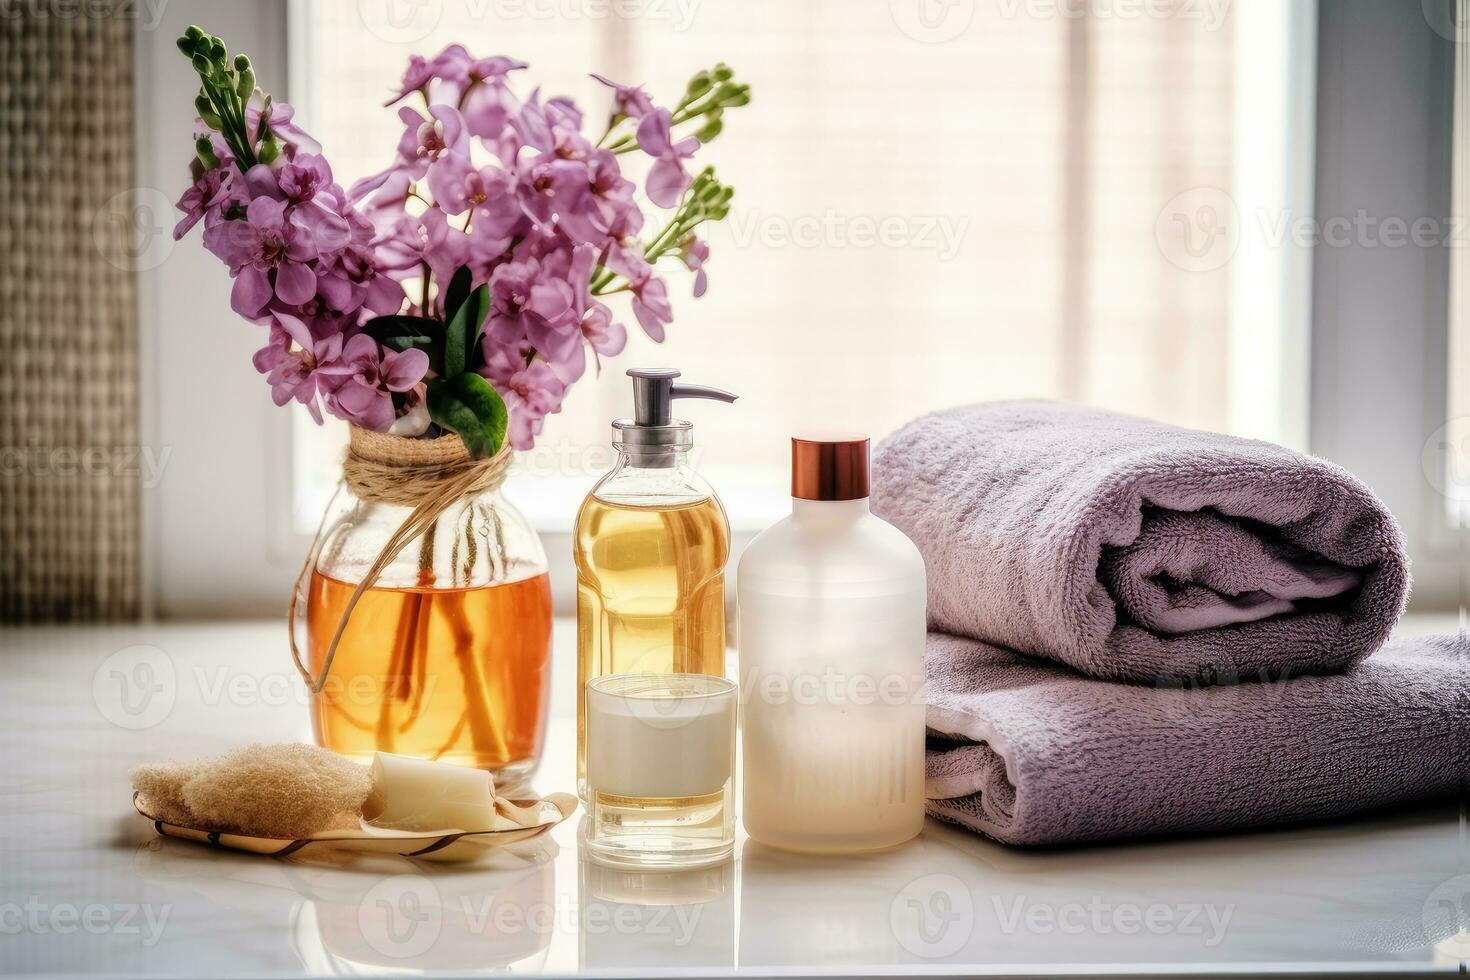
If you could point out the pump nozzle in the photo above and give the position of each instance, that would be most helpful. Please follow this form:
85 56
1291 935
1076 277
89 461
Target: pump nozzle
652 435
654 391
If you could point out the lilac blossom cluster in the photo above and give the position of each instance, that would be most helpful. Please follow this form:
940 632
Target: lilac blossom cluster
487 247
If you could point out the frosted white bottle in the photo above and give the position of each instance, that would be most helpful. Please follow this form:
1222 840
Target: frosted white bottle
831 626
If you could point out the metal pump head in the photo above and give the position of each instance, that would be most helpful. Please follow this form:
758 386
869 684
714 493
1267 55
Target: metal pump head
652 434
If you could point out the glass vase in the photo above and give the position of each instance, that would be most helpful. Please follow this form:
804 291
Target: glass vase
446 654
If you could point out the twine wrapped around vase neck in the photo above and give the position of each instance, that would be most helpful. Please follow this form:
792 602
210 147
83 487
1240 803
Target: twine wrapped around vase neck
394 470
429 475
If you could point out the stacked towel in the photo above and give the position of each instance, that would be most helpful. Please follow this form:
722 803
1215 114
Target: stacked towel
1132 550
1030 752
1189 582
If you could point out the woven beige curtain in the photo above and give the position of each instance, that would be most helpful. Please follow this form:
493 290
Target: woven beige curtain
69 475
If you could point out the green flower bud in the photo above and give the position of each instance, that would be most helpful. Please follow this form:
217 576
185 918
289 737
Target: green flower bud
723 72
217 52
733 95
712 127
202 65
205 150
269 149
263 131
186 46
698 85
246 86
242 63
193 32
207 113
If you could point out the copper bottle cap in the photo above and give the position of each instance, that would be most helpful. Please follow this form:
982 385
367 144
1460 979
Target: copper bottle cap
829 468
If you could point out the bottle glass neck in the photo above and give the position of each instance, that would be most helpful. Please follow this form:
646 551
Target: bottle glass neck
664 476
644 458
829 511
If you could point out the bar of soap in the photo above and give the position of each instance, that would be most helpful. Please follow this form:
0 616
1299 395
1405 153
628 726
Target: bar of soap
420 795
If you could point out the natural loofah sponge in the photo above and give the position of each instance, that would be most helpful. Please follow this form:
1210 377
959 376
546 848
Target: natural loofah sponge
161 785
287 790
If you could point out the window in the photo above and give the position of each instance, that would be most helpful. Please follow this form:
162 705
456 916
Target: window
1056 203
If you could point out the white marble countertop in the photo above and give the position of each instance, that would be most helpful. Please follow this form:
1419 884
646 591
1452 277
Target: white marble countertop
87 888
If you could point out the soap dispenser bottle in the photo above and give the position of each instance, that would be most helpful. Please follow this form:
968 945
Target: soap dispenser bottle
831 631
650 545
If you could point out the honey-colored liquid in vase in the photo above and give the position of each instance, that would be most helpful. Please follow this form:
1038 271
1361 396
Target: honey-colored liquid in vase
650 594
458 675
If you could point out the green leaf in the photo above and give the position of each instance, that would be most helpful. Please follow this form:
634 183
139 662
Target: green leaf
463 332
382 328
430 346
469 405
458 291
486 403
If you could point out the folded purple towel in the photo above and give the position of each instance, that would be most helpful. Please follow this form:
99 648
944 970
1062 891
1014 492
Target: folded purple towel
1135 550
1030 752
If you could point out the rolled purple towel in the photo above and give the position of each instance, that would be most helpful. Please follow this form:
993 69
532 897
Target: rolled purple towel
1030 752
1134 550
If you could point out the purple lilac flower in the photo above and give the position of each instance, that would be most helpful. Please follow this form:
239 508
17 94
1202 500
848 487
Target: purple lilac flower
695 253
552 188
489 194
667 178
530 391
211 191
552 129
350 279
450 65
593 319
295 138
358 386
650 295
436 146
292 358
306 188
565 115
604 209
628 100
267 255
531 306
